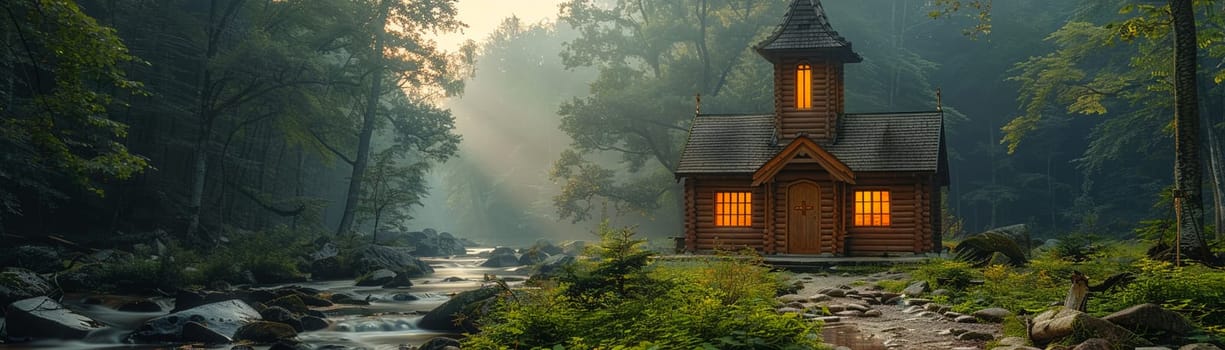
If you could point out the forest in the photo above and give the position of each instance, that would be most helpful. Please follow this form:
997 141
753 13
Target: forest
314 157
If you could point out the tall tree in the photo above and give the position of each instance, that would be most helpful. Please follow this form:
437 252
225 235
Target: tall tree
1188 179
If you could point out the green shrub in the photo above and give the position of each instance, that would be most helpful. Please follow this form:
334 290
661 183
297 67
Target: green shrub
1197 292
624 300
1078 246
944 273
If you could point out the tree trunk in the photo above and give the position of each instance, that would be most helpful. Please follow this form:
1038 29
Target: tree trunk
363 146
1078 293
1188 196
1215 168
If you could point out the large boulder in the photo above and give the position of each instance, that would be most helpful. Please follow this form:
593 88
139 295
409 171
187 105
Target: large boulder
1145 318
41 259
18 283
502 257
993 314
463 307
399 259
533 257
430 243
224 318
375 278
546 247
265 332
1071 326
41 317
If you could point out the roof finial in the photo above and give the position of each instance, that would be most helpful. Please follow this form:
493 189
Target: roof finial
698 99
939 101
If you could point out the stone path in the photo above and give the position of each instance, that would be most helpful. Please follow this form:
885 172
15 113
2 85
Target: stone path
858 317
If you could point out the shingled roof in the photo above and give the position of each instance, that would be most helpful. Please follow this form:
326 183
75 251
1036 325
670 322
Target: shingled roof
728 144
736 144
806 29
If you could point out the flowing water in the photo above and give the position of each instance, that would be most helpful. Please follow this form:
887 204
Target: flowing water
387 323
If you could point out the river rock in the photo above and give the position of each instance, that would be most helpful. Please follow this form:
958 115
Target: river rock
398 259
1060 323
222 317
196 332
533 257
265 332
375 278
41 317
916 288
431 243
465 306
551 267
281 315
1150 317
18 284
314 323
440 343
400 281
994 314
502 257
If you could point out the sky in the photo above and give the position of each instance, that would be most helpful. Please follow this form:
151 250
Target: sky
483 16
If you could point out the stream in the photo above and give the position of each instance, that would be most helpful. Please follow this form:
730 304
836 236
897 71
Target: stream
387 323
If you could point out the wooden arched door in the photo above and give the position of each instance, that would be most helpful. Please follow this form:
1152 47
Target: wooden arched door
804 218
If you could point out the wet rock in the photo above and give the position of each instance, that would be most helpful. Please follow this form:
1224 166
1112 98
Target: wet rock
502 257
533 257
872 313
1095 344
222 317
42 317
399 259
329 268
465 306
1061 323
429 242
453 279
291 302
439 343
281 315
315 301
345 299
1150 317
400 281
405 297
265 332
196 332
994 314
973 335
314 323
18 284
375 278
916 288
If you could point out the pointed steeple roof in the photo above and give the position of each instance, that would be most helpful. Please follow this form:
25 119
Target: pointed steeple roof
806 30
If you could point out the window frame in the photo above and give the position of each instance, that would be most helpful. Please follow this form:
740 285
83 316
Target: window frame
803 85
886 214
738 212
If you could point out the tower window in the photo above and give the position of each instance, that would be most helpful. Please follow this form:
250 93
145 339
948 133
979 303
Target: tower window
803 86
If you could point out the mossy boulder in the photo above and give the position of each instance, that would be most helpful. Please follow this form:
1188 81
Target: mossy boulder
265 332
466 307
291 302
375 257
1067 326
375 278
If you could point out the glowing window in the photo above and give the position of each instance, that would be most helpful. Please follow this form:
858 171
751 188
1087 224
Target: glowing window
803 86
871 208
733 209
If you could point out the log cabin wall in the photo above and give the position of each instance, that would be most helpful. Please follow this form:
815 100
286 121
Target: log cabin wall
707 236
819 121
830 211
910 229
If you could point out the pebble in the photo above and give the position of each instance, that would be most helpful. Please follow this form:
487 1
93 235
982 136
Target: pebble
965 319
872 313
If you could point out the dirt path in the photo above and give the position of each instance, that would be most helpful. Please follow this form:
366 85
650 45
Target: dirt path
893 328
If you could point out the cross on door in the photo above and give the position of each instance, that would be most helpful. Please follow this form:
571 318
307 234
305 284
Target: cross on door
803 207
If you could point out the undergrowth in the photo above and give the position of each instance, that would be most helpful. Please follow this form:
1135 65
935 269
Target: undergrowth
625 300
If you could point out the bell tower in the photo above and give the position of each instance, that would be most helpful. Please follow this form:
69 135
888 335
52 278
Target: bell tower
808 56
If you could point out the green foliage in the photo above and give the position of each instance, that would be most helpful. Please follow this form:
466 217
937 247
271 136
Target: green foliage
1194 291
1078 247
625 301
943 273
61 69
271 256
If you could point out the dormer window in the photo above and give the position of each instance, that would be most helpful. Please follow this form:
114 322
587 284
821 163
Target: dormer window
803 86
